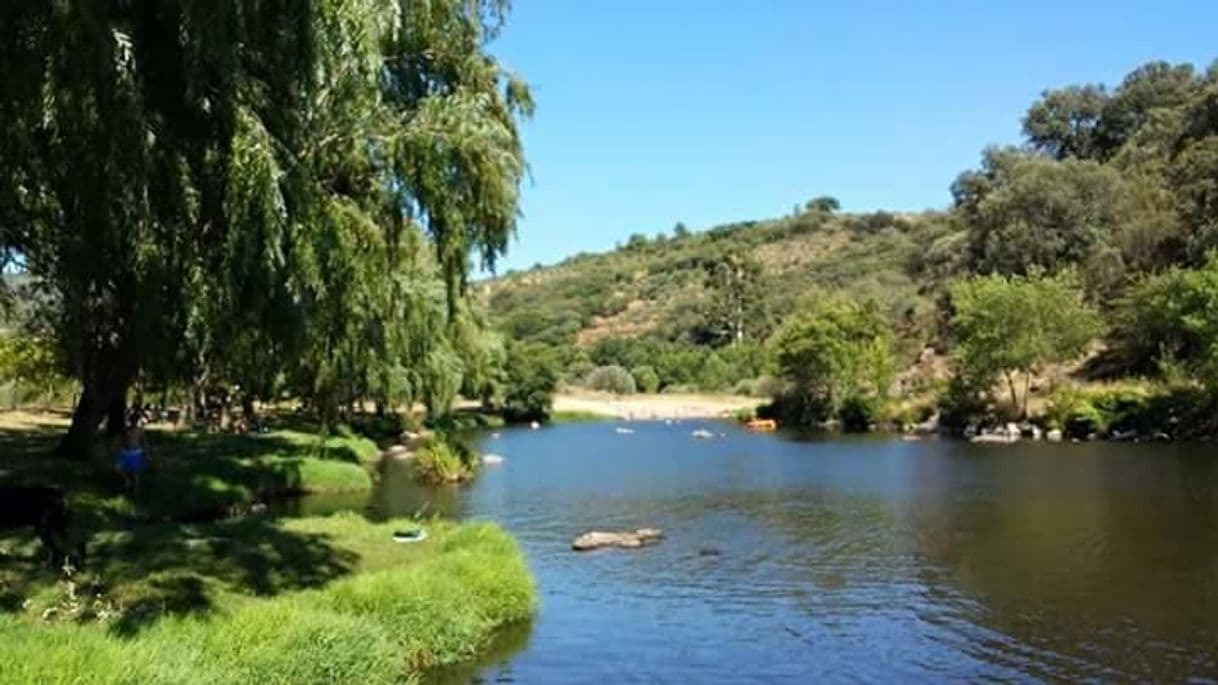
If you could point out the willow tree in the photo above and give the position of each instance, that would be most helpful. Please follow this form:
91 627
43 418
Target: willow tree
227 187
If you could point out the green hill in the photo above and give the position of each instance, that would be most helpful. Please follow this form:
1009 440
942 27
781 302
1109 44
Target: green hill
657 288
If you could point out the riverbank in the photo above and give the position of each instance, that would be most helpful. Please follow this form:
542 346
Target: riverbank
191 581
194 475
330 599
656 406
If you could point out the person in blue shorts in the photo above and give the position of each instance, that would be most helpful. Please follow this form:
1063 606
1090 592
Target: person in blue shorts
133 455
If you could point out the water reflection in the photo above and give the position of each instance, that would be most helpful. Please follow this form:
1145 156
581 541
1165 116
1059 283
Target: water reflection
850 559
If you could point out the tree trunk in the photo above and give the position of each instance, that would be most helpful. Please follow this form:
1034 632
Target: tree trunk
1027 387
1011 387
104 398
116 415
248 411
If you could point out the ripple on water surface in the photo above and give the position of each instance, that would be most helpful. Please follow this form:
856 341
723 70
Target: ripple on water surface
849 559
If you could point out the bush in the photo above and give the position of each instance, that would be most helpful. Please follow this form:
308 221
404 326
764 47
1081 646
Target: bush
769 386
746 388
713 376
438 461
646 379
612 379
1079 412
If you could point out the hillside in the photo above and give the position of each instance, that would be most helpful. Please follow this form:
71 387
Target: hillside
656 288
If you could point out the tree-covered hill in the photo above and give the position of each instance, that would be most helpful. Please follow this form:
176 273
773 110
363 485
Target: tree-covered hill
664 287
1092 246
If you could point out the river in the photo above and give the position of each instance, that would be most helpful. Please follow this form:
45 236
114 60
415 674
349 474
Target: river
848 559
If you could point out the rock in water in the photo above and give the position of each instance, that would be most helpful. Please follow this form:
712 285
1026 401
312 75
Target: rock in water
630 540
492 459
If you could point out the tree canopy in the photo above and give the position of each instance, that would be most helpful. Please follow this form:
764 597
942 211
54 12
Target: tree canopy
256 192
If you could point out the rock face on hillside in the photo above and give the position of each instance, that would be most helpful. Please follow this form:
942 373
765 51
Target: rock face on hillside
630 540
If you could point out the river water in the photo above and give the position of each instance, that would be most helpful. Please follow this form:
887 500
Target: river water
848 559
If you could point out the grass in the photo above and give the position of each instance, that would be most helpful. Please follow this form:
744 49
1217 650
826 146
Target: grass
438 461
373 612
577 416
195 475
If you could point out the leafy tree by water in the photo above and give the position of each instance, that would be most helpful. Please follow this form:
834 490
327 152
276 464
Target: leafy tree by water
835 356
204 198
1015 325
532 374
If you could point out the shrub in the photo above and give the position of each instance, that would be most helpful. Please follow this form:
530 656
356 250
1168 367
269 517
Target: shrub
1078 412
612 379
769 386
746 387
646 379
438 461
713 376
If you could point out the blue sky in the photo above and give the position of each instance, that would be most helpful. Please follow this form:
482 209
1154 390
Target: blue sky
651 112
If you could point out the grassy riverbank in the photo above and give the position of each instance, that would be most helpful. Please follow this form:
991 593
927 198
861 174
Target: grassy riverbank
307 600
184 585
194 475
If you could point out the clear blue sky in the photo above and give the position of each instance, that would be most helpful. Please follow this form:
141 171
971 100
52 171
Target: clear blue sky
651 112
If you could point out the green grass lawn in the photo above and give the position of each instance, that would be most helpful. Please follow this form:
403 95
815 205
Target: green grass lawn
181 587
315 600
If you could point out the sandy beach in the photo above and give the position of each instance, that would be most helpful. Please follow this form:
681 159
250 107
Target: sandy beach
643 407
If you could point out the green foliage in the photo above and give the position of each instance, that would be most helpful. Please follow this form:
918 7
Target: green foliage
1025 212
614 379
31 368
242 205
1017 324
413 608
438 461
715 374
837 358
824 204
646 379
532 375
733 284
1173 318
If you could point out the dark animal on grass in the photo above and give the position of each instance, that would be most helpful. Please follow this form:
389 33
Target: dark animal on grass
46 510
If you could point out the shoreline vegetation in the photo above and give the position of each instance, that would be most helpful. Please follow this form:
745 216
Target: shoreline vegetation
193 579
350 606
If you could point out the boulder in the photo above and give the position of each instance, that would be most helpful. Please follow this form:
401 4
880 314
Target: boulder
630 540
397 452
928 426
1000 437
1054 435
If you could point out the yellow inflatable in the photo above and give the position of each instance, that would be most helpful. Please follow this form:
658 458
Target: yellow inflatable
762 425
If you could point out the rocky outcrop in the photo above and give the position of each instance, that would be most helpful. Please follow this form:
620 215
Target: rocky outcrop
630 540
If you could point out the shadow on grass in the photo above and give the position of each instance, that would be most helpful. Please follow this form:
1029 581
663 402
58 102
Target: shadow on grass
155 571
168 550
